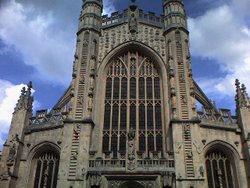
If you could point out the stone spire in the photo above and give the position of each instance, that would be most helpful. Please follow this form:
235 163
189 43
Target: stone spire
174 15
25 100
241 97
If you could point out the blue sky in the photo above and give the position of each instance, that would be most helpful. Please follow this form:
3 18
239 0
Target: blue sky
37 43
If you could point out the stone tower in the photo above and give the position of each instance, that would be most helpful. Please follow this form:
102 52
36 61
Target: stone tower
183 108
129 117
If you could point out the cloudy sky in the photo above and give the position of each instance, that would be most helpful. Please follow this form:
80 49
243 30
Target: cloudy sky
37 43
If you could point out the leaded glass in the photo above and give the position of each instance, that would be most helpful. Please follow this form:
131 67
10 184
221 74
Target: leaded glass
219 170
46 170
133 101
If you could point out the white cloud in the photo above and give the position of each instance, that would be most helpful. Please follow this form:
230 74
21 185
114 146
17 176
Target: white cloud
222 34
44 34
9 95
49 51
108 7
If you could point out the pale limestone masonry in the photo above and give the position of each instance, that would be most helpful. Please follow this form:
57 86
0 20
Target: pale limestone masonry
129 117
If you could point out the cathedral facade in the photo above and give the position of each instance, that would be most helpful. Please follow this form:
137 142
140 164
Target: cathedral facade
129 118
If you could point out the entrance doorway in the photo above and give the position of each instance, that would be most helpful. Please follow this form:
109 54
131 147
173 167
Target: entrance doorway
131 184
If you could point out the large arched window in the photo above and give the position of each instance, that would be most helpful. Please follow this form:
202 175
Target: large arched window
220 170
44 169
132 101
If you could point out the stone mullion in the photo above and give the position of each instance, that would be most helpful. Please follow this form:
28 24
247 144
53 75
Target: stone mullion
53 172
41 174
137 100
146 117
212 170
145 112
153 100
46 172
111 107
225 172
218 167
119 108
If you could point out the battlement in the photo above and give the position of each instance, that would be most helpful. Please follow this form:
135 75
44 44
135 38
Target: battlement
222 116
54 117
117 18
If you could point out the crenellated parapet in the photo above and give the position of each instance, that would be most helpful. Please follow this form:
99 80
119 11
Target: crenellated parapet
118 18
54 117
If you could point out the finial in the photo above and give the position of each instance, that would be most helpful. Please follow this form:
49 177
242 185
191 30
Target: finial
29 88
133 5
23 91
237 83
29 85
243 88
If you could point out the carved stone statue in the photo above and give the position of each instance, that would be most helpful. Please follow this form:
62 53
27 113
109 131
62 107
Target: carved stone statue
131 144
201 170
90 104
167 180
133 23
95 180
131 134
92 63
12 154
170 53
13 150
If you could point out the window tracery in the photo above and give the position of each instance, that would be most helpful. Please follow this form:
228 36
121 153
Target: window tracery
132 101
220 170
46 170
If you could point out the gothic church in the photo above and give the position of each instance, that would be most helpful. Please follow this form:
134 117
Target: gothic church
129 117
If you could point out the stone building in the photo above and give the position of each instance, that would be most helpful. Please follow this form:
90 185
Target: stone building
129 117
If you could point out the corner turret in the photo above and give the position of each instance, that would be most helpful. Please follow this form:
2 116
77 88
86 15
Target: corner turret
174 15
91 15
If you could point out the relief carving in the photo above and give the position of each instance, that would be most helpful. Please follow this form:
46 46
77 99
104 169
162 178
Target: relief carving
178 147
184 99
197 146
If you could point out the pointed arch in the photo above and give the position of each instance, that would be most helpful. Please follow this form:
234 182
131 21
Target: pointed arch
44 164
138 46
143 68
222 168
131 184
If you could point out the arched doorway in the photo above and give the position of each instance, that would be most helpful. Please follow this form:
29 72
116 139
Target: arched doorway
131 184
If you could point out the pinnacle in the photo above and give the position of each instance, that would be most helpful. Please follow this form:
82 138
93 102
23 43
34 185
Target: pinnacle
237 83
23 91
